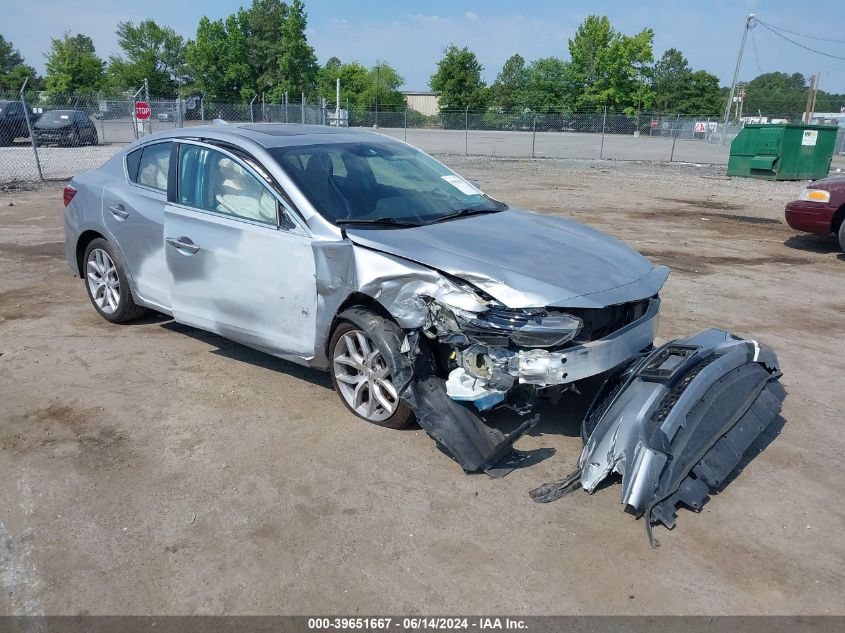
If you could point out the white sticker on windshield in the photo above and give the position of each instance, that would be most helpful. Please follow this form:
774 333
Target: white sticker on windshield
63 116
462 185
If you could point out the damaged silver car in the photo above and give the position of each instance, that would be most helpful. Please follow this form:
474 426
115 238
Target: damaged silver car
425 298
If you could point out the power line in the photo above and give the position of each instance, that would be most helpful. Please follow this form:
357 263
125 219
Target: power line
812 37
754 46
812 50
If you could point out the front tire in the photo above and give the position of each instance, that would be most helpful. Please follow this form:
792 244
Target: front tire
361 378
842 236
107 285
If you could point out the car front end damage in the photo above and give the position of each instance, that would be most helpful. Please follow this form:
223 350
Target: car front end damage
674 422
462 353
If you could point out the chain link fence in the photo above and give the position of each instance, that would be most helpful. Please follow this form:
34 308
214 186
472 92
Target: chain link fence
56 137
602 134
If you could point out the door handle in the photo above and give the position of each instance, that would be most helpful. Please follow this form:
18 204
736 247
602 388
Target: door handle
182 244
118 211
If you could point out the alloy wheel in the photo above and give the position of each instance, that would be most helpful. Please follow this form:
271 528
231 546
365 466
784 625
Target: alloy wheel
103 282
363 377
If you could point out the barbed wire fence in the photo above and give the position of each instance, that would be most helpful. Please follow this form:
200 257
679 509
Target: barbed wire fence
31 150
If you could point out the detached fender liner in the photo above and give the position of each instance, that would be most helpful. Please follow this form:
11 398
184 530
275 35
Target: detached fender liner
455 427
676 422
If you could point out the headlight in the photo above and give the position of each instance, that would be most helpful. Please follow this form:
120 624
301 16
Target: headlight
815 195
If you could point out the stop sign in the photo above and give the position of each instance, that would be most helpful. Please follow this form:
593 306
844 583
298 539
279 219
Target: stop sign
142 110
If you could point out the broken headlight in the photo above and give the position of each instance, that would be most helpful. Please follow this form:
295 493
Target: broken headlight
525 328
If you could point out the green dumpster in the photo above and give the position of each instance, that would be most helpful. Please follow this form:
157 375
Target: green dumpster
782 151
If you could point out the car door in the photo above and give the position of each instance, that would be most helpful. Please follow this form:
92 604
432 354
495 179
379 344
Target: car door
240 262
133 212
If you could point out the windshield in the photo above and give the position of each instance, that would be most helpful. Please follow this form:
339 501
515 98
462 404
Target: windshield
55 117
387 183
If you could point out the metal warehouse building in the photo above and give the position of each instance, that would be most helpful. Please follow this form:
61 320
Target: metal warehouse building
423 102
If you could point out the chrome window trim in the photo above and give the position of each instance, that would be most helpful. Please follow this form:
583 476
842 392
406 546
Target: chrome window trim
299 227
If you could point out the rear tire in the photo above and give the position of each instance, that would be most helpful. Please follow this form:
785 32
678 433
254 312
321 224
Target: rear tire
107 284
359 376
842 237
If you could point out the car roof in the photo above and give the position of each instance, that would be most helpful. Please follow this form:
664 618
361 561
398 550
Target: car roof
270 135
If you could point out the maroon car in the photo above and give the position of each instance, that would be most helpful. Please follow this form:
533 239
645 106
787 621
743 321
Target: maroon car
820 209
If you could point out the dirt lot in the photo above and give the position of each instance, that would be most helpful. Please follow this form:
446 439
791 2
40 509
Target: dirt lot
153 468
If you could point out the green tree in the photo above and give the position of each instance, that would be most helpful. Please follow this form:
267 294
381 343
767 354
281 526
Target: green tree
509 88
677 88
611 68
73 66
218 59
671 77
9 56
703 96
264 22
777 94
382 88
360 87
353 81
297 65
458 80
548 85
13 70
152 52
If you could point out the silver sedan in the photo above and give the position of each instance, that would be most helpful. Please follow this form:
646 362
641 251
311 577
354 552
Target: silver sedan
352 252
424 297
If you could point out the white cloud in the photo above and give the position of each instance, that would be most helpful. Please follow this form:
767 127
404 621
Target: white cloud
471 17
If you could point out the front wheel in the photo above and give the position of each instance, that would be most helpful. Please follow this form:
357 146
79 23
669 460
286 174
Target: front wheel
106 283
362 378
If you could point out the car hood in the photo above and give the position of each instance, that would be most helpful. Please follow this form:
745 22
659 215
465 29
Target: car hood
525 259
833 183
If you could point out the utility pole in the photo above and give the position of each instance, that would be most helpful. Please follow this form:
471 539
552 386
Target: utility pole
337 104
811 98
749 22
378 84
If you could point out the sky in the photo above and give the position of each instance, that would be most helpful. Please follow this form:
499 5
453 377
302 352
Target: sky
411 35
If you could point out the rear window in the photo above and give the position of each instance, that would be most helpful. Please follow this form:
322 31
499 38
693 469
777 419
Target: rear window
149 165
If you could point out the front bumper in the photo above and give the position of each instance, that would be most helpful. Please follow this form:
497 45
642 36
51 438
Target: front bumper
810 217
544 368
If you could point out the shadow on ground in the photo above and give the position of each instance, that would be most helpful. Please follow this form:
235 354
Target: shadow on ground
812 243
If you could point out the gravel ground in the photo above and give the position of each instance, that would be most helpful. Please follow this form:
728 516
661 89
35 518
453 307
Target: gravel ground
153 468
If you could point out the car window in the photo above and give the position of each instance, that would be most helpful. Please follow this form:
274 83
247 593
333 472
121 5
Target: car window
212 181
364 181
133 160
153 166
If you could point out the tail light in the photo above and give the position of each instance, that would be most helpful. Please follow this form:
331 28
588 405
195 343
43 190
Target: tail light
68 194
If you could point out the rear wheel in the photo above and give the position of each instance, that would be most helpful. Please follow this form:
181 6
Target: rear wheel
842 236
362 378
106 283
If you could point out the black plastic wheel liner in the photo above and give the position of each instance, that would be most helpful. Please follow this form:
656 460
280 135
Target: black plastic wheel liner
456 428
